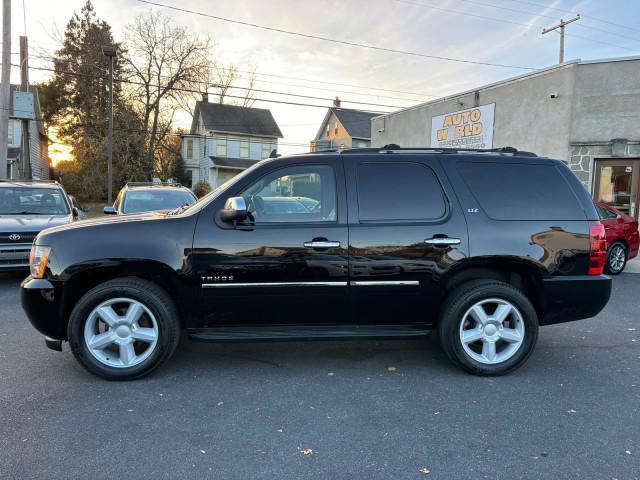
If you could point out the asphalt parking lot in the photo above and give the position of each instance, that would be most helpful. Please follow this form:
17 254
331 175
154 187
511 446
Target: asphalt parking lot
388 410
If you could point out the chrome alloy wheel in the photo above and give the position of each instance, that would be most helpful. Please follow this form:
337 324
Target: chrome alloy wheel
121 332
492 331
617 257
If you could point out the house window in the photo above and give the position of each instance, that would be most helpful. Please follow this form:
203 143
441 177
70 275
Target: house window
335 128
10 141
266 150
244 149
221 147
190 148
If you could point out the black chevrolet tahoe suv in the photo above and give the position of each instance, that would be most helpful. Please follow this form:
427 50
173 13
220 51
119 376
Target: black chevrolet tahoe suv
481 246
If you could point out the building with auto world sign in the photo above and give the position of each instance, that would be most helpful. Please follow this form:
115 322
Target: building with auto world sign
586 113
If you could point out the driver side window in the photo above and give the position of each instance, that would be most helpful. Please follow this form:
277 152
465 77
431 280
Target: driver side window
294 194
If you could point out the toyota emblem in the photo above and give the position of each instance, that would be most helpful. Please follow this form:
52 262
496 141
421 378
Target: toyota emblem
14 237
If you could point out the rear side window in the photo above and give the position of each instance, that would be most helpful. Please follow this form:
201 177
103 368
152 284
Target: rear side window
516 191
399 191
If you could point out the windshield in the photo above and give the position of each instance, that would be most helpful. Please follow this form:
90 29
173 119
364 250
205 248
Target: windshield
32 201
137 201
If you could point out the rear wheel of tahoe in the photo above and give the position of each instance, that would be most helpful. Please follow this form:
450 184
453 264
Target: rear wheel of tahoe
488 327
123 329
616 259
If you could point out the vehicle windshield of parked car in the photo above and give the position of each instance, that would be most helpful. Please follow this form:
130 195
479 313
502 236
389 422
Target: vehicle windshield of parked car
32 201
137 201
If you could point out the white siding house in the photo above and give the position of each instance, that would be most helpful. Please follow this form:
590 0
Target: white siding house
226 139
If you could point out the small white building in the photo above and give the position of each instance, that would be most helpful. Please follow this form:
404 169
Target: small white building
226 139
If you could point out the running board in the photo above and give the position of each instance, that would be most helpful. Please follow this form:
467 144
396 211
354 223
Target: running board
248 333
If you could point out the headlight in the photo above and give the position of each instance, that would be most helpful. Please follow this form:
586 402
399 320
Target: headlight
38 259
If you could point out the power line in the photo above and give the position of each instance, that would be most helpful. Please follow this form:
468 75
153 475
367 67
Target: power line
51 57
512 22
312 87
188 90
332 40
597 19
515 10
311 97
326 82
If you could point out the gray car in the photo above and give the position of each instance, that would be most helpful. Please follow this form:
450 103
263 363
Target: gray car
27 208
139 197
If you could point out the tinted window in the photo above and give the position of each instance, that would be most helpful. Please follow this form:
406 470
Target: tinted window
294 194
604 213
398 191
510 191
136 201
32 201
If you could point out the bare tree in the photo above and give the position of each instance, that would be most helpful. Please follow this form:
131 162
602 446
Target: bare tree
227 88
166 65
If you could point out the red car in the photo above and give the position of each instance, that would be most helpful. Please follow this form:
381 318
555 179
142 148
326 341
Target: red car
622 237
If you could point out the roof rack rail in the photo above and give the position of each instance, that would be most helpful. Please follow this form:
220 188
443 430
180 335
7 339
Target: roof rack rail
153 184
9 180
393 148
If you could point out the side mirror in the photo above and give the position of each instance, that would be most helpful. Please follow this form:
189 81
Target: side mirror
75 212
109 210
235 210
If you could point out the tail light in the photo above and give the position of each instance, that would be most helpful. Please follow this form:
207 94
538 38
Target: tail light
598 248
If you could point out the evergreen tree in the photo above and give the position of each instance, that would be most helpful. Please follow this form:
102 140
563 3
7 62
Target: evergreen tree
76 103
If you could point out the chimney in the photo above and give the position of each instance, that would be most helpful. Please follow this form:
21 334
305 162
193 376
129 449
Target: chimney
205 97
336 103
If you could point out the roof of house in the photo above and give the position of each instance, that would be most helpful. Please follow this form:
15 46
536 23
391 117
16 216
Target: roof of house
234 163
36 105
234 119
356 122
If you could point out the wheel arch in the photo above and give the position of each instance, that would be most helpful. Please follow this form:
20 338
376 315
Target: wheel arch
82 278
524 276
621 240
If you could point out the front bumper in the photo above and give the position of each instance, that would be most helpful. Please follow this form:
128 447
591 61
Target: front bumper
565 299
41 301
14 256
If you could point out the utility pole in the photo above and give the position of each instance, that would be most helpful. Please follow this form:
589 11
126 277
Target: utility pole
110 52
561 26
25 156
5 83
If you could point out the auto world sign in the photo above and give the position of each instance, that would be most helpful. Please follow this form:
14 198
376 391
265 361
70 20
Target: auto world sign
470 128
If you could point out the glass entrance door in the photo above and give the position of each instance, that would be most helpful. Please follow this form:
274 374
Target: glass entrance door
617 184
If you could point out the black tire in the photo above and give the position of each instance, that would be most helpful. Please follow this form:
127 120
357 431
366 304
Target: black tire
615 248
152 297
460 300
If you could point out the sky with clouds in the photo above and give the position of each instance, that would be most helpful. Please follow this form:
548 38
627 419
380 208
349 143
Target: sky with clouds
505 32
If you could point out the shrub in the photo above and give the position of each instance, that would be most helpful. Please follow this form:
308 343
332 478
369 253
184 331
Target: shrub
201 189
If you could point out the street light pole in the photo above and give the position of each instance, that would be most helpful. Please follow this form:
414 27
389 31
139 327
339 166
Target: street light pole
110 52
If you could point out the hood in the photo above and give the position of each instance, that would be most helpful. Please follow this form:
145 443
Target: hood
31 223
107 220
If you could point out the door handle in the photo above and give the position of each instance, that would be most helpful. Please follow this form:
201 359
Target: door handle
442 241
321 244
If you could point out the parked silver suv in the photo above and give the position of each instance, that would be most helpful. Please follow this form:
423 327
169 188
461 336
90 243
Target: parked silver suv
27 208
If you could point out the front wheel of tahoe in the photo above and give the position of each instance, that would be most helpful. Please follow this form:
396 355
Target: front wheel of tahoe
488 327
123 329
